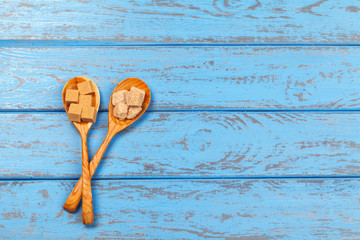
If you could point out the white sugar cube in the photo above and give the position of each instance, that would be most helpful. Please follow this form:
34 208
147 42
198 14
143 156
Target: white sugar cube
136 97
121 111
133 112
118 97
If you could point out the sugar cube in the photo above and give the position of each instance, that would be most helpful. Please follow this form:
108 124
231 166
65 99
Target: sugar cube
127 97
120 111
133 112
74 113
85 87
71 96
119 97
136 97
88 114
85 100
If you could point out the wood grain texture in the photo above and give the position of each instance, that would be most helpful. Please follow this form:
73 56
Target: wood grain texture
286 145
253 21
187 209
235 77
185 144
86 194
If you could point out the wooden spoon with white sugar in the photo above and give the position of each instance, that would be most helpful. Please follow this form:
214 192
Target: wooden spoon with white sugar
114 126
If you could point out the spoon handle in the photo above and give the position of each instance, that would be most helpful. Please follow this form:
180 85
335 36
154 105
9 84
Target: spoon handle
87 205
75 196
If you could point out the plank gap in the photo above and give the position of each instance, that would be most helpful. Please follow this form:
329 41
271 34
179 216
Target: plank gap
94 43
183 178
45 111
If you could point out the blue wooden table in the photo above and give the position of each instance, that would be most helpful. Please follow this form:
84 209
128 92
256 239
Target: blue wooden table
253 131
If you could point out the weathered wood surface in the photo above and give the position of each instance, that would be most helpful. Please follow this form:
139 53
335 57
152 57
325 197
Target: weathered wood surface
186 209
235 77
253 21
185 145
151 194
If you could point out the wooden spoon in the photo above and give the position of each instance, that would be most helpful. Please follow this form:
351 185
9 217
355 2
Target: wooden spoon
83 128
114 126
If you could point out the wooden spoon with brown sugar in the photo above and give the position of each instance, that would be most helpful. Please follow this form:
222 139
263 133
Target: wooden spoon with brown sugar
114 126
83 128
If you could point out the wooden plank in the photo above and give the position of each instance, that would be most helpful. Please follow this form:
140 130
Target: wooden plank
186 209
314 21
235 77
186 145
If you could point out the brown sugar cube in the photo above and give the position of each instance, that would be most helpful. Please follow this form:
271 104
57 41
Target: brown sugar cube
120 111
118 97
136 97
85 100
85 87
71 96
74 113
88 114
133 112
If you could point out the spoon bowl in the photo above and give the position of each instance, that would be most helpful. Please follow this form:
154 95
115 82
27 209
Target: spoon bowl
126 84
72 84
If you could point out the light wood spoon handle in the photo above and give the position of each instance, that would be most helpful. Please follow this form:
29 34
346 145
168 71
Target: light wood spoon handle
75 196
87 205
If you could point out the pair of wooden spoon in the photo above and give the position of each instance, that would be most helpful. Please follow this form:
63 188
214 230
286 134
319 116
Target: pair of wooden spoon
82 188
